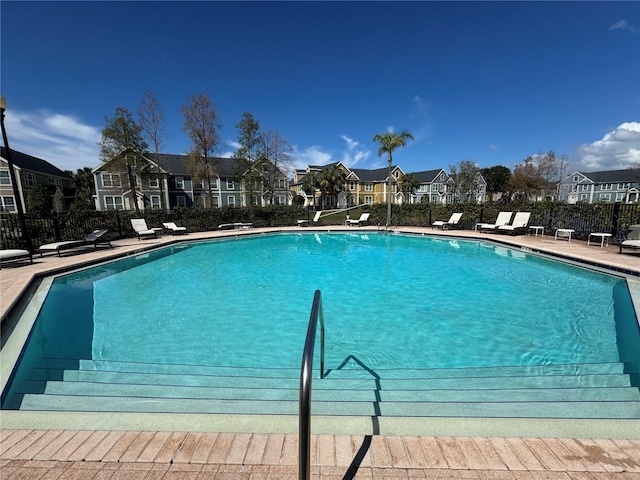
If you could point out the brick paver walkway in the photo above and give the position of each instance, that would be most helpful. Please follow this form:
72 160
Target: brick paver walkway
51 454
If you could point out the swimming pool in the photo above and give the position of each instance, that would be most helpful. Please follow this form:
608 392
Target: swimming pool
399 309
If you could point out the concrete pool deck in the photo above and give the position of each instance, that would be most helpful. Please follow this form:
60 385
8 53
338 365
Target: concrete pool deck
50 445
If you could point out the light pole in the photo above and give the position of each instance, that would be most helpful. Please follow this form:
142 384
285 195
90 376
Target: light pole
12 175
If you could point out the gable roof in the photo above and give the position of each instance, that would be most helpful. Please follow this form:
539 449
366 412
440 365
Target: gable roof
377 175
427 176
613 176
28 162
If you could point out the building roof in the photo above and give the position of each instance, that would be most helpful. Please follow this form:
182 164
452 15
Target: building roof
177 164
377 175
613 176
427 176
28 162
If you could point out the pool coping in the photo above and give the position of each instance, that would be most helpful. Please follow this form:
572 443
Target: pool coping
504 427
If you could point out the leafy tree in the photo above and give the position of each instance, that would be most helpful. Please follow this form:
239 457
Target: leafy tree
464 181
526 181
86 188
151 118
248 154
200 124
330 181
121 145
275 155
409 183
497 178
40 200
388 143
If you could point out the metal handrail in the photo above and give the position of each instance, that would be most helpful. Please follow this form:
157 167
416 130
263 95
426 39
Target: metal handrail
306 369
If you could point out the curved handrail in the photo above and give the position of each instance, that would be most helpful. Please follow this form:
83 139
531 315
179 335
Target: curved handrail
306 369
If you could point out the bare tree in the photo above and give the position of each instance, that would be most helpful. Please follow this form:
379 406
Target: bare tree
200 124
151 118
464 178
275 151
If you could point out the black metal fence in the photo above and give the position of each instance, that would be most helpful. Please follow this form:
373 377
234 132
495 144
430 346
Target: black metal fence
583 218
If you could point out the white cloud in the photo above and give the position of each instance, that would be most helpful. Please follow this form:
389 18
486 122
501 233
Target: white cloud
59 139
618 149
623 25
353 155
310 156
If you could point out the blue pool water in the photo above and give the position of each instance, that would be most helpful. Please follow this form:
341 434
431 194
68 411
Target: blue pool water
392 301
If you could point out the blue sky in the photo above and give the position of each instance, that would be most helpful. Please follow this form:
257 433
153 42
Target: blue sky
491 82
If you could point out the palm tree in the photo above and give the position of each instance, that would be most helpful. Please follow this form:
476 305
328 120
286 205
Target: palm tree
408 185
388 143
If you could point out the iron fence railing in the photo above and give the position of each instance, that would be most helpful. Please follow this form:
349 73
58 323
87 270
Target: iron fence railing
583 218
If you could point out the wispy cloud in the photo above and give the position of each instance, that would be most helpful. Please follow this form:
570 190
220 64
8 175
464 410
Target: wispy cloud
624 25
313 155
60 139
618 149
354 154
423 127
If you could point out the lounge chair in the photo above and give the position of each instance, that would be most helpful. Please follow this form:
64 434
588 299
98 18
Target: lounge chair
503 218
453 222
363 220
12 254
94 238
174 229
236 226
520 224
632 238
140 226
315 220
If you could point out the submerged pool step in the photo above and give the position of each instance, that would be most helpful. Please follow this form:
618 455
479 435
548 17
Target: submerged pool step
618 410
602 390
347 395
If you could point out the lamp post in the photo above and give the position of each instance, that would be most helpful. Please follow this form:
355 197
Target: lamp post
12 175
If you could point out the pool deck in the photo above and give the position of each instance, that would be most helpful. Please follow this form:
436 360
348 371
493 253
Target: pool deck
93 451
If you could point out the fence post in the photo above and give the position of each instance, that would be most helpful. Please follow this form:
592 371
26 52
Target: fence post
119 224
56 227
615 219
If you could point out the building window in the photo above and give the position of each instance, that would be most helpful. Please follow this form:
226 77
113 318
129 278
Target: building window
352 185
282 183
154 182
154 201
231 201
29 179
584 196
7 204
181 201
180 183
280 200
607 186
368 187
54 181
423 188
623 186
605 197
110 180
5 178
576 178
113 203
368 199
254 200
619 197
216 202
435 187
230 185
584 188
214 183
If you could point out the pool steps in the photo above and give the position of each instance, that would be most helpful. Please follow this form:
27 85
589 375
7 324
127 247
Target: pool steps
603 390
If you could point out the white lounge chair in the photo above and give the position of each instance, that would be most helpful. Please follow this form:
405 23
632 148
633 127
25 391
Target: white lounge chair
11 254
316 219
633 238
453 222
94 238
363 220
503 219
174 229
519 224
140 226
